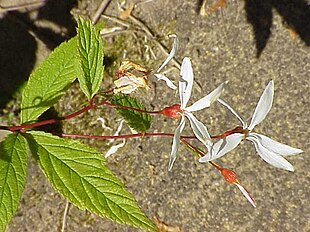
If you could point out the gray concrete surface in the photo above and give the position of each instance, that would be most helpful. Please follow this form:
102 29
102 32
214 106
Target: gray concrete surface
194 196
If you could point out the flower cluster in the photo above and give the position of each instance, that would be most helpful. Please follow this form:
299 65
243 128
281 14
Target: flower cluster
269 150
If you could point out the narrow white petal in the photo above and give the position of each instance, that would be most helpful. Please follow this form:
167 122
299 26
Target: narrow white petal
263 106
126 89
114 149
174 49
123 81
207 100
247 195
169 83
234 112
269 156
199 129
222 147
186 81
276 147
119 128
176 143
103 122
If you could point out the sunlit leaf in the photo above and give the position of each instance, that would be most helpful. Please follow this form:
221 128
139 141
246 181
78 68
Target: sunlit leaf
49 81
136 120
13 171
90 65
78 172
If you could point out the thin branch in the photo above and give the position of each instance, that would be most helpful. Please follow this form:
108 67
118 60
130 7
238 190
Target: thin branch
104 4
64 218
127 136
69 116
116 20
146 31
118 33
21 6
151 35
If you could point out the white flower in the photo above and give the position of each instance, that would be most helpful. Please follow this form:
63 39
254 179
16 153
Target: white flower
129 83
185 88
132 76
269 150
159 76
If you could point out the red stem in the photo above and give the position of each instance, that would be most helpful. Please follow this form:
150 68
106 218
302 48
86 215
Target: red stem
69 116
131 108
200 153
142 134
216 166
191 146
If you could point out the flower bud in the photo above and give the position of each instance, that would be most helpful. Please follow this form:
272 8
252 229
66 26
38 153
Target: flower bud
172 111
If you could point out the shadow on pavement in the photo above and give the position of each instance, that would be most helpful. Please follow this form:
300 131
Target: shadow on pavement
295 14
18 44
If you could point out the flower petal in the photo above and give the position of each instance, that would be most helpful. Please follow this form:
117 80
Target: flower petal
169 83
222 147
263 106
176 143
276 147
114 148
199 129
207 100
246 194
186 81
268 155
174 49
234 112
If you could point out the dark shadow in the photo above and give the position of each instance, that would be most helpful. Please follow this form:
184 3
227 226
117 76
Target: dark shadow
17 58
57 12
54 128
199 5
295 13
109 64
259 15
18 44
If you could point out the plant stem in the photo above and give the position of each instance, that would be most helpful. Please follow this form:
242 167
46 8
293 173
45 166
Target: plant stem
191 146
142 134
69 116
201 154
216 166
130 108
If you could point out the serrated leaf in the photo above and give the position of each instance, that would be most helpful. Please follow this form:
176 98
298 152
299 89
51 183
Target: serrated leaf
13 171
77 171
136 120
49 81
90 67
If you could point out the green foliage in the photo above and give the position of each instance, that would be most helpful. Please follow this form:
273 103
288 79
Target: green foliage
136 120
79 174
49 81
13 171
75 170
90 65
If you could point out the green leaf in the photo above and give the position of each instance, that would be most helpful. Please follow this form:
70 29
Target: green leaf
136 120
78 173
90 67
49 81
13 171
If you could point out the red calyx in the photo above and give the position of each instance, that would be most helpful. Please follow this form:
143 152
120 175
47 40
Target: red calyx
229 176
172 111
